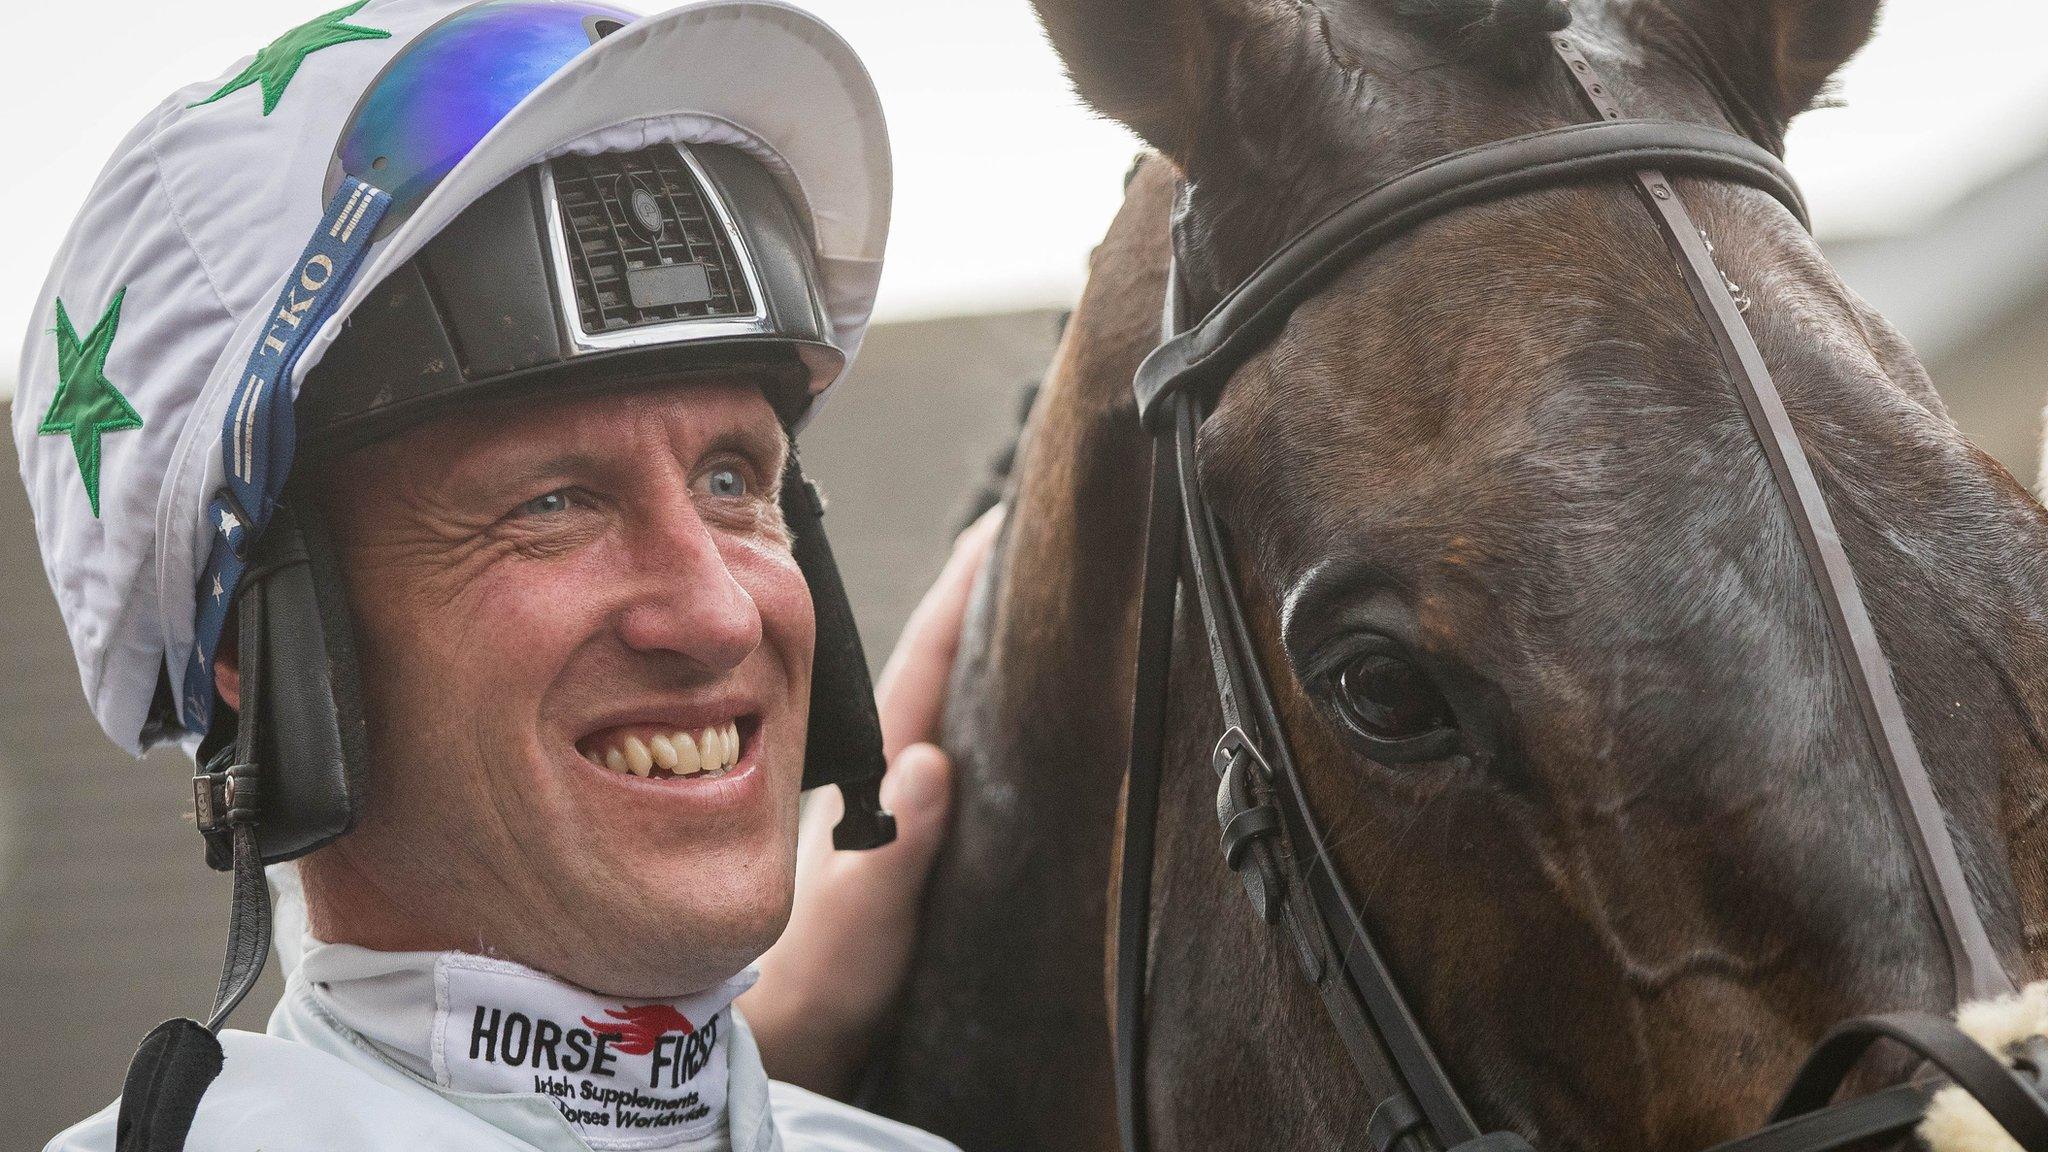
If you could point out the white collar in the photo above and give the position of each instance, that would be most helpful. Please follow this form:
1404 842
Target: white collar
628 1075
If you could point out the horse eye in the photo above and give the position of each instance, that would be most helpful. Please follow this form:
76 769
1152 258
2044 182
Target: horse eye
1388 700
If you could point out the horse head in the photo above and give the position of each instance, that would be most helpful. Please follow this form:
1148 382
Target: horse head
1545 645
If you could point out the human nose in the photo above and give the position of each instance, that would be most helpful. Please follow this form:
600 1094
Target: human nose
687 600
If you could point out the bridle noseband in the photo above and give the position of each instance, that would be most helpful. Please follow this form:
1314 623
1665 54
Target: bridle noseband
1271 839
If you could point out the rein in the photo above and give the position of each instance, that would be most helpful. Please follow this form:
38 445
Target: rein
1270 837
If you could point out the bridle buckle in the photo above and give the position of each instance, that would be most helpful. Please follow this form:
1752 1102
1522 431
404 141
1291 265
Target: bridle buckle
1234 748
1248 822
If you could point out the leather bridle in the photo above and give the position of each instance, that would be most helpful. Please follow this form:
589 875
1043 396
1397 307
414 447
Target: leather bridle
1270 837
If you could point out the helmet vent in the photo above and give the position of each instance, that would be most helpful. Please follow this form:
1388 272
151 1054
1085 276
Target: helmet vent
644 245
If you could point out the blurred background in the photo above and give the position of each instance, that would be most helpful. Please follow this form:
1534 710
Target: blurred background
1930 191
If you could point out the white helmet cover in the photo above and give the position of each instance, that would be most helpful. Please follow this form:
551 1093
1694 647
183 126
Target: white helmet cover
168 280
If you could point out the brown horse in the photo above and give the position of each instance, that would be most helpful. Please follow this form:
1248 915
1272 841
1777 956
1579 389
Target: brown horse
1501 458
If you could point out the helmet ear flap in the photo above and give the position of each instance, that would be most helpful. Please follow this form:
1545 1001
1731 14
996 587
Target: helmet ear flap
844 744
296 648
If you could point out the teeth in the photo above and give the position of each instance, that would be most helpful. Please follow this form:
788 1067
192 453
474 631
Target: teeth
689 761
711 751
664 752
638 759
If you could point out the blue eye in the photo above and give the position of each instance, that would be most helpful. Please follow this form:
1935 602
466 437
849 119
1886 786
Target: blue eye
726 483
546 505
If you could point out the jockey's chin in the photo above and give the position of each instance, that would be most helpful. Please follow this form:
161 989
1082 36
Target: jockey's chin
586 655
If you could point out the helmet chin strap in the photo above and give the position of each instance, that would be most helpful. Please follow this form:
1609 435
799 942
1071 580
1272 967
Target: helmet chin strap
228 799
181 1058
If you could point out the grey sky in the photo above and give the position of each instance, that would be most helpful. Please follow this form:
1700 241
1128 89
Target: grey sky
1003 180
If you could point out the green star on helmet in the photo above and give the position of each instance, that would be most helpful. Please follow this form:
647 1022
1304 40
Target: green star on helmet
279 61
87 405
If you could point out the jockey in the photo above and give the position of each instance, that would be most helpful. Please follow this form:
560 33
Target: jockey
408 421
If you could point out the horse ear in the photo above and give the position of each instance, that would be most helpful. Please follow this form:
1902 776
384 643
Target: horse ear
1780 53
1135 61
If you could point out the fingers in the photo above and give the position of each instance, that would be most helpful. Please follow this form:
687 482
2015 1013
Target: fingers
911 693
826 986
890 880
919 790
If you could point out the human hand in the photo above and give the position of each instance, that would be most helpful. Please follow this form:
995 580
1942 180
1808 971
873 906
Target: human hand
826 985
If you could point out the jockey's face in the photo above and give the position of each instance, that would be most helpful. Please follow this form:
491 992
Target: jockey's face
546 599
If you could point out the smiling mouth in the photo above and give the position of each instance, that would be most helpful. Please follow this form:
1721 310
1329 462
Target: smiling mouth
659 753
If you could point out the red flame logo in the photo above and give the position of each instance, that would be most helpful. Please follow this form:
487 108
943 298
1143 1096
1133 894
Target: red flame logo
639 1029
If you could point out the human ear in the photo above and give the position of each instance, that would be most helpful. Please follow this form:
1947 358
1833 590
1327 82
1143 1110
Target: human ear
227 672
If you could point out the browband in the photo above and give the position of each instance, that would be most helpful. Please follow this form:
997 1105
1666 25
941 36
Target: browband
1205 355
